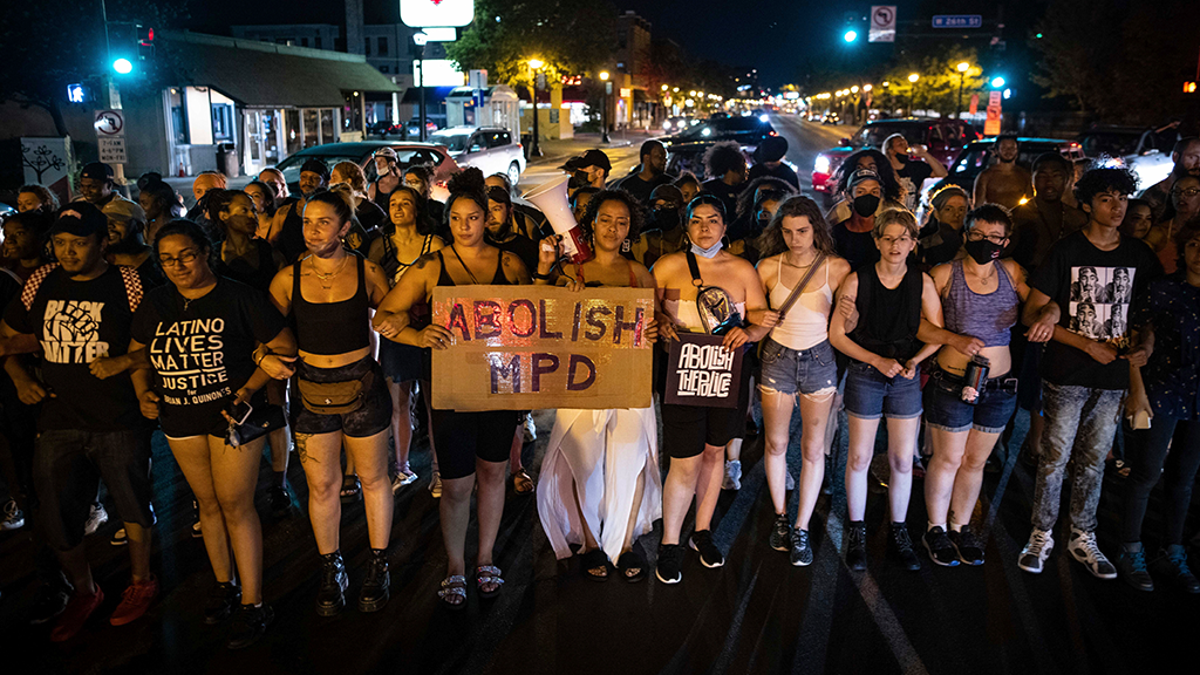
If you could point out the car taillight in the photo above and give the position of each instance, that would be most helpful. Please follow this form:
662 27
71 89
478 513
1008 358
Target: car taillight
773 133
821 165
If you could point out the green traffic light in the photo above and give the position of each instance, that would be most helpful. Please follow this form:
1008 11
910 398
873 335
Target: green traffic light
123 66
850 36
997 82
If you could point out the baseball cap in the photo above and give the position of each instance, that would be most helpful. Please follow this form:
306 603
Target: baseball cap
861 175
668 192
315 166
81 219
124 210
97 171
772 149
590 158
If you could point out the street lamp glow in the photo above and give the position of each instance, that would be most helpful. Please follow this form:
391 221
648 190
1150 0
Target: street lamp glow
604 76
997 82
665 87
913 78
963 67
854 89
850 36
536 63
867 87
886 85
123 66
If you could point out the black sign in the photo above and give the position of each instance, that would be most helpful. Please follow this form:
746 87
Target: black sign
700 372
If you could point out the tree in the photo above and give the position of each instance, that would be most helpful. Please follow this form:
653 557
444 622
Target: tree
42 56
570 36
938 86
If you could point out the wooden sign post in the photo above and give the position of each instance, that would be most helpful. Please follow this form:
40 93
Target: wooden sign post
531 347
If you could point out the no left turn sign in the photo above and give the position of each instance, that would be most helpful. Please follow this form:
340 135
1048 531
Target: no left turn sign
110 123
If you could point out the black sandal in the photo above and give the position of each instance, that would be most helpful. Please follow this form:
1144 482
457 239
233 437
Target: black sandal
632 566
593 561
351 489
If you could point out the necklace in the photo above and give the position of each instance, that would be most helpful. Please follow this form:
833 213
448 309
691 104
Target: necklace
327 279
800 267
986 281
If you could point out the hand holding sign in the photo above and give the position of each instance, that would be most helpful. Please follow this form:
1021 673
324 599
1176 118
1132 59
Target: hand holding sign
435 337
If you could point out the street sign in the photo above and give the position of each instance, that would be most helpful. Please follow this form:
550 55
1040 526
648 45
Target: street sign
110 124
437 13
883 23
994 99
112 150
957 21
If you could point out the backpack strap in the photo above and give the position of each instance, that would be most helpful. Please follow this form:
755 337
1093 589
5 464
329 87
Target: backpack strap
799 289
34 283
133 286
694 267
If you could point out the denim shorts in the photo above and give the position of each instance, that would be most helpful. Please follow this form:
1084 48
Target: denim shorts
945 409
791 371
374 416
870 395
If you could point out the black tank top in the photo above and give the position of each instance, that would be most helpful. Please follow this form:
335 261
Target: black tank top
498 279
291 235
382 198
329 328
255 277
888 317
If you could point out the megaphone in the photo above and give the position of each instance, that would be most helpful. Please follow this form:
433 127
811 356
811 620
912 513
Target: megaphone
551 198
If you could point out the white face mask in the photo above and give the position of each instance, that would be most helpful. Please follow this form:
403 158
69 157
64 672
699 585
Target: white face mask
710 252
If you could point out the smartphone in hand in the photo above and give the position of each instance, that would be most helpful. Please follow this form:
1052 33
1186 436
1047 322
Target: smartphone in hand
240 412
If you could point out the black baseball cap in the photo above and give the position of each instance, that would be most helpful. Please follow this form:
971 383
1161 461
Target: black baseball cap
81 219
97 171
590 158
771 149
315 166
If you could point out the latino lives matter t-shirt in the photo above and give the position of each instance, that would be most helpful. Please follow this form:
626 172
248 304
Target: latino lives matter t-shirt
201 350
1094 289
76 322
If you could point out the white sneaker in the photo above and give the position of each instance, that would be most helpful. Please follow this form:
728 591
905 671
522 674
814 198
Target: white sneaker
1034 555
790 483
733 475
13 518
530 429
96 517
1083 548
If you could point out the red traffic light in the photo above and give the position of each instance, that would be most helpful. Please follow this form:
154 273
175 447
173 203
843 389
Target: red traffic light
145 36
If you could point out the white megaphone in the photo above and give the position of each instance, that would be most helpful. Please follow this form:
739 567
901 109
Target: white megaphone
551 198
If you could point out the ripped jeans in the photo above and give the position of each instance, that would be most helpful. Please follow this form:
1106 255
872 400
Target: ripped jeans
1080 424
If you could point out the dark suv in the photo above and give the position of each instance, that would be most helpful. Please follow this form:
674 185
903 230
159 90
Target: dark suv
943 137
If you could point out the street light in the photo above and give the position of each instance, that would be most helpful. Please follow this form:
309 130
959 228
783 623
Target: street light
850 36
123 66
997 82
535 149
604 111
962 69
912 78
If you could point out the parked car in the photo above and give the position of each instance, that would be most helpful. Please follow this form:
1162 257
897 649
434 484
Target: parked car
678 124
748 130
433 122
1129 146
407 154
490 149
943 137
385 129
831 117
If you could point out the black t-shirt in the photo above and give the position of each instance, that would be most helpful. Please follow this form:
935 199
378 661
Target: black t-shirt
151 274
782 172
524 248
911 178
1094 288
201 351
727 193
858 248
76 322
641 189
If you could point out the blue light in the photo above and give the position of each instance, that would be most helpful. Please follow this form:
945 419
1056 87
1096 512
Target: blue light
75 93
850 36
123 66
997 82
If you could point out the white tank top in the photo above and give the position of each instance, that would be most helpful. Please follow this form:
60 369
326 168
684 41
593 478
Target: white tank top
806 324
687 315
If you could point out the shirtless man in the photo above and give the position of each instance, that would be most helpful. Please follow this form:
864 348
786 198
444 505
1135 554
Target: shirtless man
1005 182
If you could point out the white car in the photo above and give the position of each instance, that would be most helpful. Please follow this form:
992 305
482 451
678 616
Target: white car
489 149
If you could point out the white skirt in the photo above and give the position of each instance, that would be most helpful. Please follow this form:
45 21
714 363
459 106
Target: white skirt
600 454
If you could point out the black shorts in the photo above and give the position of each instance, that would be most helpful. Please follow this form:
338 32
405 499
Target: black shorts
372 417
204 419
461 437
687 429
67 467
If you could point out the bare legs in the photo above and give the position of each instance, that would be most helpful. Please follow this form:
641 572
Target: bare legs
902 436
320 456
689 477
955 475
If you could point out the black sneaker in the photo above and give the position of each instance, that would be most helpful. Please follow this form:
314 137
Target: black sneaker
331 596
375 590
969 547
281 502
49 602
224 598
801 554
780 533
1176 560
249 624
1131 566
856 546
941 551
669 569
702 543
900 546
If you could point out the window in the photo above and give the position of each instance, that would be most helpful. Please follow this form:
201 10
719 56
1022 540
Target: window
317 42
383 46
303 42
367 46
499 139
222 117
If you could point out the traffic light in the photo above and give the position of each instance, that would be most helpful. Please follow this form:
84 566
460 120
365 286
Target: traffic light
128 45
145 40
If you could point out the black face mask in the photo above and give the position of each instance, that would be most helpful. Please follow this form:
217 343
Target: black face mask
865 205
665 219
902 158
577 180
760 224
983 251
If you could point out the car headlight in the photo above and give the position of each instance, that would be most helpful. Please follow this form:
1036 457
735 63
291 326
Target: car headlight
666 126
706 132
764 118
821 165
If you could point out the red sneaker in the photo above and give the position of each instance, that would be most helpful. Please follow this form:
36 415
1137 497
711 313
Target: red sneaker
135 601
79 608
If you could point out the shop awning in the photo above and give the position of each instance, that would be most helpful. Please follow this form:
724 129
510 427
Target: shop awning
266 75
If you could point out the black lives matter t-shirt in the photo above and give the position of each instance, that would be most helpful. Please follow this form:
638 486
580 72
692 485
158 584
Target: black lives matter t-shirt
201 350
911 178
76 322
1095 289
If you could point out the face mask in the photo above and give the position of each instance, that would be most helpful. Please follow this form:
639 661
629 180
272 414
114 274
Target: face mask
665 219
577 180
761 224
710 252
983 251
902 158
865 205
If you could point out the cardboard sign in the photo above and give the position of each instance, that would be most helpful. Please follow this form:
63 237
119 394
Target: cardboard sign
701 373
531 347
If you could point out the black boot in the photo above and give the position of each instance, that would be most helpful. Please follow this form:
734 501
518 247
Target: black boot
375 594
902 548
331 596
856 546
